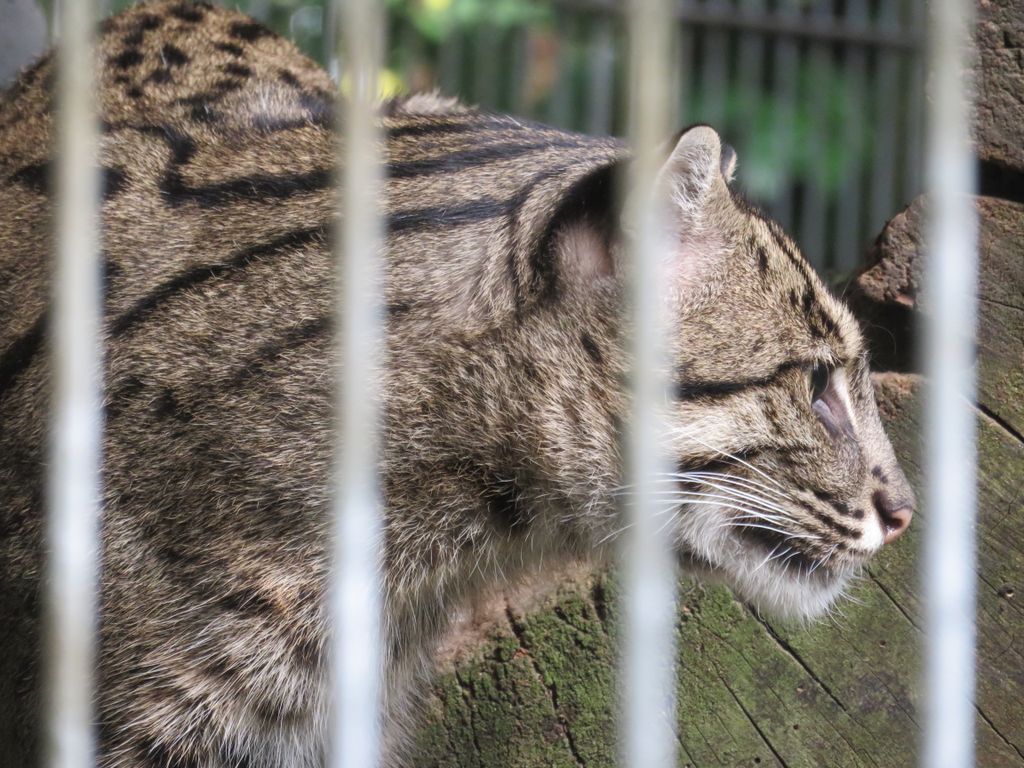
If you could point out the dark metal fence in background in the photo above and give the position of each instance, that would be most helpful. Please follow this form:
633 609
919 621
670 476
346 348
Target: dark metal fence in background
822 99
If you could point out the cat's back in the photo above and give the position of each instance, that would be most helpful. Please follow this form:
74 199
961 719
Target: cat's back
215 158
217 163
193 101
217 144
218 157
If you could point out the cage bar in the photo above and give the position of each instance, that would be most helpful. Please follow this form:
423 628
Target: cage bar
356 579
73 480
949 565
648 656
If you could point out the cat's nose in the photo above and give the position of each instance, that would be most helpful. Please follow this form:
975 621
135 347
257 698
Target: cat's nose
895 514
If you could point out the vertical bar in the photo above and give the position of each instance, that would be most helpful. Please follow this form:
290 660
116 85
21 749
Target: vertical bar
648 673
356 587
951 281
73 486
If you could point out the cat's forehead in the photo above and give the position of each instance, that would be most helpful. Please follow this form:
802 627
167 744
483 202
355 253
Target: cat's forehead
781 273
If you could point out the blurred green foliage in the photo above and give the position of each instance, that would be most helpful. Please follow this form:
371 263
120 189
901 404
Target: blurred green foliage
437 19
813 144
811 130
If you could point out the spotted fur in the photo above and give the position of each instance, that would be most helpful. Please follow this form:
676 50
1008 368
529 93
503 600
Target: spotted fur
502 397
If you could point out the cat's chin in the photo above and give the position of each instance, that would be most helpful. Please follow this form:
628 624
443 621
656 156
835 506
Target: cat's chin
771 589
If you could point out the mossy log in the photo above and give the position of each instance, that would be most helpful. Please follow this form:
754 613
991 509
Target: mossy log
531 681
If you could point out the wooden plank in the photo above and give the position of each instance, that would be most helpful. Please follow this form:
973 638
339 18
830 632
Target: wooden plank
494 710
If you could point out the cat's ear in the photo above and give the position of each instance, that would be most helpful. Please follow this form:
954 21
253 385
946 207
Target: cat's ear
586 240
697 170
588 225
700 207
729 163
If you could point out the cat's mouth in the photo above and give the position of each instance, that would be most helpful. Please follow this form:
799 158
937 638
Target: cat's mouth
796 585
784 550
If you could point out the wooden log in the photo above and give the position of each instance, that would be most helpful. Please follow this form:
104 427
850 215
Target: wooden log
885 298
999 73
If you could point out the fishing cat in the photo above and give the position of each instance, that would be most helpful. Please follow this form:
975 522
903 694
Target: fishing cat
502 397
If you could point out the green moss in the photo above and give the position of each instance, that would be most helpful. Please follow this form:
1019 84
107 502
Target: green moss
494 711
575 658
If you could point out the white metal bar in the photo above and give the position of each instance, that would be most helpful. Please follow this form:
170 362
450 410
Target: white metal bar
648 663
73 485
951 280
356 587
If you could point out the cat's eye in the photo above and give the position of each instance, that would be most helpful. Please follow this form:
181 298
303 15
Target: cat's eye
820 375
826 401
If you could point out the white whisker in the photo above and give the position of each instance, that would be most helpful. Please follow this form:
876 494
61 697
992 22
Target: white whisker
745 463
769 557
747 482
687 495
742 494
786 534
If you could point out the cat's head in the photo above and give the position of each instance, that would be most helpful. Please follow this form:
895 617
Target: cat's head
785 483
790 481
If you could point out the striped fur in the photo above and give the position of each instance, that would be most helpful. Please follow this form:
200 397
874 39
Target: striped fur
502 397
